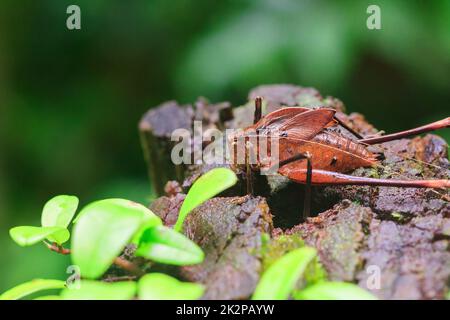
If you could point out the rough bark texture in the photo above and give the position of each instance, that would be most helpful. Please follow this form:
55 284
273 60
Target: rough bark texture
155 130
401 234
158 124
229 230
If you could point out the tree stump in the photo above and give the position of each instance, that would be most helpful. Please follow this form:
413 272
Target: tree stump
403 234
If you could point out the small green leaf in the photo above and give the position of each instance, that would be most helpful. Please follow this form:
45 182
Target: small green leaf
30 287
164 245
59 237
207 186
96 290
159 286
278 281
150 221
27 235
102 231
59 211
334 291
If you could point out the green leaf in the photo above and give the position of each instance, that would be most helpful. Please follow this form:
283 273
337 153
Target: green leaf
159 286
102 231
96 290
58 212
207 186
30 287
164 245
59 237
278 281
27 235
334 291
49 297
150 221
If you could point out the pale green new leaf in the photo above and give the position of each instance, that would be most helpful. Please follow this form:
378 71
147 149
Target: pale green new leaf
164 245
30 287
96 290
278 281
59 211
207 186
159 286
102 231
28 235
334 291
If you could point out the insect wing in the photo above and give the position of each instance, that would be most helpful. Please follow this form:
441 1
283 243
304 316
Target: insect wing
277 118
306 125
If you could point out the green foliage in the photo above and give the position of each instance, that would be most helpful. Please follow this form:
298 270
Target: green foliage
59 211
150 221
164 245
278 281
56 216
333 291
158 286
50 297
102 231
151 286
207 186
299 274
96 290
27 235
30 287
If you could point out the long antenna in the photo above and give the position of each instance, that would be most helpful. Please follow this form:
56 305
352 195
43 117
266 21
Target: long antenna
444 123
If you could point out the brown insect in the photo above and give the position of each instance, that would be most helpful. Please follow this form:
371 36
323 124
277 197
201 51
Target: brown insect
310 155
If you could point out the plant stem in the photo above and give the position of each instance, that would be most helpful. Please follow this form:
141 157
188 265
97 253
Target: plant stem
118 261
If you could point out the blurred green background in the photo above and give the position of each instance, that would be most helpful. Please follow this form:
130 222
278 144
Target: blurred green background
70 100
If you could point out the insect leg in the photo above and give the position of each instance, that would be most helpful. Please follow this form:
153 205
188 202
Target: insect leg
307 201
322 177
248 170
308 180
299 156
258 110
444 123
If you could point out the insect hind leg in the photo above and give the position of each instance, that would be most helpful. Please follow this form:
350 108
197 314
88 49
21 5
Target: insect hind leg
322 177
307 201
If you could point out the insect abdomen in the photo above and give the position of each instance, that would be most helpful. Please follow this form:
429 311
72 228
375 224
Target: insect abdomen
343 143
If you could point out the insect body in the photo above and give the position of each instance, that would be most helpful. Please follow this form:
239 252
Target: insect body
308 153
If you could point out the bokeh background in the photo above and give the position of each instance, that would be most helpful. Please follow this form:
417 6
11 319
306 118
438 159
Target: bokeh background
70 100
